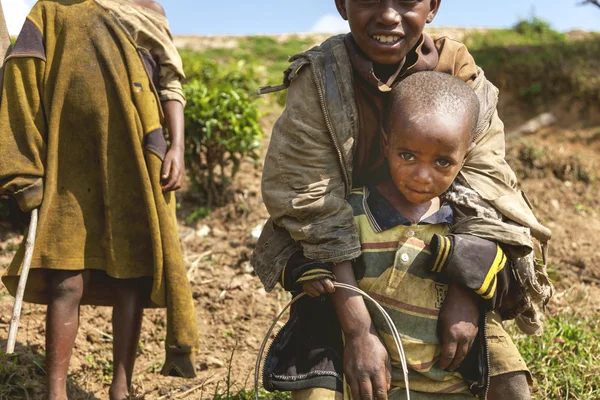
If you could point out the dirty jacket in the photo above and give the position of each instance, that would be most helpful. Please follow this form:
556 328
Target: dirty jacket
308 168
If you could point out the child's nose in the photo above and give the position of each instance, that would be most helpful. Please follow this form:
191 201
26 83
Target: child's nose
422 175
389 14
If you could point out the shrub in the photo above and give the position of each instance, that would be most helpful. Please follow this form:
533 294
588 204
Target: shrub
222 125
534 31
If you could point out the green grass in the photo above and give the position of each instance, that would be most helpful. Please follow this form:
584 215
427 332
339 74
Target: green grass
12 382
565 360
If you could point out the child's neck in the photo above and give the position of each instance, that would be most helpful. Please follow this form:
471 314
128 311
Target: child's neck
413 212
384 72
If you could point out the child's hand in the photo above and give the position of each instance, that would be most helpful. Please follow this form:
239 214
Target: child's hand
318 287
173 170
367 366
458 325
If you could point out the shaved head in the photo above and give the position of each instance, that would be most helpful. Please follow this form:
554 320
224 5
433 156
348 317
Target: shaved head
426 95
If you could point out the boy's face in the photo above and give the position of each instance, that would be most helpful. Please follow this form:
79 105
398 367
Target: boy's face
386 30
426 153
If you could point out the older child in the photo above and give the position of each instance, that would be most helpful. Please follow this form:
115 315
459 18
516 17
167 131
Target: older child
81 127
409 259
328 140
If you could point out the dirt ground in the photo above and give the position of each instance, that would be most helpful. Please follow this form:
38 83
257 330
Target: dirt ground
234 311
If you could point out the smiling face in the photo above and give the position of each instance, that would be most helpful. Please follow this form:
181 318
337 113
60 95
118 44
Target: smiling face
386 30
425 153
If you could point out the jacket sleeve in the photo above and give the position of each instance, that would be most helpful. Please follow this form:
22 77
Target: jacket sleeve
487 172
22 132
477 264
302 185
300 270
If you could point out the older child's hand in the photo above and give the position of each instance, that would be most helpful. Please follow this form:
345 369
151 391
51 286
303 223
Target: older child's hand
173 170
458 325
366 366
318 287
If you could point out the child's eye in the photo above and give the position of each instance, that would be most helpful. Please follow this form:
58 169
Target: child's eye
407 156
443 163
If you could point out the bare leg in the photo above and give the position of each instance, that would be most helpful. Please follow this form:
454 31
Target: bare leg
62 322
127 323
512 386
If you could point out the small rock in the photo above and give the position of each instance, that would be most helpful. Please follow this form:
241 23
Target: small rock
185 233
568 184
214 362
219 233
93 337
240 282
255 234
203 231
555 203
247 267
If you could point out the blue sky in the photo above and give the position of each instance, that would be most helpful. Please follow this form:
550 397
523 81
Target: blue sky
204 17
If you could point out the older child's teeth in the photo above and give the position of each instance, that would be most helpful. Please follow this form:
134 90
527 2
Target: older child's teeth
385 39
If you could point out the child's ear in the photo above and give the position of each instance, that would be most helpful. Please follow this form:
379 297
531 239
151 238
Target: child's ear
341 7
434 6
471 147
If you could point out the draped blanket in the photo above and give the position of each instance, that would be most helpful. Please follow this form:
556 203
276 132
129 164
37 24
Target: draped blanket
81 138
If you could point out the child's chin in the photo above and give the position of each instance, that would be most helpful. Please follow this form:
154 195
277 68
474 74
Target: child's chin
418 198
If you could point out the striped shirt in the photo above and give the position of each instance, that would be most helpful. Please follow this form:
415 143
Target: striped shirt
395 268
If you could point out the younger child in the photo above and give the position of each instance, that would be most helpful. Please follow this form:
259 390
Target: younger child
408 261
81 128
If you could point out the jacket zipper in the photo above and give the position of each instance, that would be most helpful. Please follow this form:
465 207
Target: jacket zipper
270 348
487 358
330 130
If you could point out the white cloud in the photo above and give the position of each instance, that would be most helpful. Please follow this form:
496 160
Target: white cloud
15 12
330 23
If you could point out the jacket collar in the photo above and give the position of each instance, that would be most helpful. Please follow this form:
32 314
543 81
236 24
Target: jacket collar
423 57
384 216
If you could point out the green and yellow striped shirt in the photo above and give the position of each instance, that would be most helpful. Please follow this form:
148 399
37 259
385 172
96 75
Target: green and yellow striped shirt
396 270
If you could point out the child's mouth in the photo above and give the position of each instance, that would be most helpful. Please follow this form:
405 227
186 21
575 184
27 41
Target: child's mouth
387 39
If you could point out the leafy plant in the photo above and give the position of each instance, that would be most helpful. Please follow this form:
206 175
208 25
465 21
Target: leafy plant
197 215
222 125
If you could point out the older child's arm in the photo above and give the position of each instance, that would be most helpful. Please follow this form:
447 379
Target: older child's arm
479 279
458 325
365 357
173 169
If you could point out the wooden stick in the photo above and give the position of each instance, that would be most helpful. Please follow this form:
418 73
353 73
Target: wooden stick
16 316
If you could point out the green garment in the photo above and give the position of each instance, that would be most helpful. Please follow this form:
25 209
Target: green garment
81 129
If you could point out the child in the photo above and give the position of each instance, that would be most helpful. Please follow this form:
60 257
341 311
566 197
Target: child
328 141
408 260
81 127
